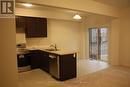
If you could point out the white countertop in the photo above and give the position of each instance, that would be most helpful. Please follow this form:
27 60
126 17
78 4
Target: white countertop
59 52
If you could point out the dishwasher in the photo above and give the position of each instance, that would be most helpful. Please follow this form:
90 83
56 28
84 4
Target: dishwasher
54 66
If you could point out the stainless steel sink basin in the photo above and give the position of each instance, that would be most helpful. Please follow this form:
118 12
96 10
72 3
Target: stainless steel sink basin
52 49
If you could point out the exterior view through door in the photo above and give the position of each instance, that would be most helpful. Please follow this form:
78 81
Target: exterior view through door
98 44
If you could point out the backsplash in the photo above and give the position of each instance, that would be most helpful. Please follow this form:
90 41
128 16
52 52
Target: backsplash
20 38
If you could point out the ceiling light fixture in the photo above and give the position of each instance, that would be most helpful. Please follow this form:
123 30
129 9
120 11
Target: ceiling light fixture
77 17
27 5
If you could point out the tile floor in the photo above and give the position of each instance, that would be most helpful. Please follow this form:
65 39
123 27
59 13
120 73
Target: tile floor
90 66
39 78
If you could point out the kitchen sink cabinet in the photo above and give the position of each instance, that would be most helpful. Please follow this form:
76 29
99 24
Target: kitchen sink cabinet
35 59
67 66
63 67
45 62
39 59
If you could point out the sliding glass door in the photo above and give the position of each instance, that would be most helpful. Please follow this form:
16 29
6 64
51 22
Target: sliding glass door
98 43
93 43
104 44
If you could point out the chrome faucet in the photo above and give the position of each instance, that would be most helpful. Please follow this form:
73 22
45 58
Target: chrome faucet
54 45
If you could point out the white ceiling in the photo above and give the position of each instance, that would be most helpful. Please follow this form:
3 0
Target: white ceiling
49 8
115 3
93 17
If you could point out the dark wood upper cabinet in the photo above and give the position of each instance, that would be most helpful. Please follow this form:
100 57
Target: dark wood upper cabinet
41 26
30 27
20 24
36 27
33 26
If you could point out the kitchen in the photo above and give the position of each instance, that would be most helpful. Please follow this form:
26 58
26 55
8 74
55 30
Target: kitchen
62 34
118 46
45 43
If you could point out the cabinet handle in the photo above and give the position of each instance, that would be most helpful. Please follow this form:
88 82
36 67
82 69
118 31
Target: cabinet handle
21 56
52 56
74 55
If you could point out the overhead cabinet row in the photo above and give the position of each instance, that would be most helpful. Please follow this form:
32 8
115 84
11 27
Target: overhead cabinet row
32 26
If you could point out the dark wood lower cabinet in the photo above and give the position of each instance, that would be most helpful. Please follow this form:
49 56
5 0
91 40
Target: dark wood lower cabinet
39 59
23 60
61 67
67 66
45 62
35 59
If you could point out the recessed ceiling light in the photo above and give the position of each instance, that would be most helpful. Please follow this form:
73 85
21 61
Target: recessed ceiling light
27 5
77 17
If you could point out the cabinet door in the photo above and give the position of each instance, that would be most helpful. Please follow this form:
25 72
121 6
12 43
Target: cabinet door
67 66
41 27
45 62
23 60
20 21
20 24
36 27
35 58
31 27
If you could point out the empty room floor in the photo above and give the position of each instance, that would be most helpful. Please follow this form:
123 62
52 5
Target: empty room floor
90 74
85 66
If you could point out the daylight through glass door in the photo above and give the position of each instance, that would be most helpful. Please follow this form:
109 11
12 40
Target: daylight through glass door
98 44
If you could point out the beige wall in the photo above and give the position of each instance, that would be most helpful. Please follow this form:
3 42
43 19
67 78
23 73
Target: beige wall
124 46
94 21
83 40
119 39
66 34
8 64
119 29
113 35
114 42
20 38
